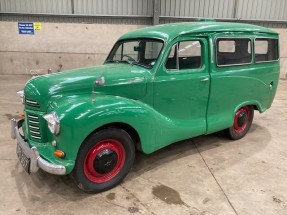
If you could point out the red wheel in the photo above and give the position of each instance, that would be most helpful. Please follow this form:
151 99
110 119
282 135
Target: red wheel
242 121
103 160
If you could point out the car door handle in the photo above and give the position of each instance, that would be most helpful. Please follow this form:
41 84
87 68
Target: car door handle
205 79
271 85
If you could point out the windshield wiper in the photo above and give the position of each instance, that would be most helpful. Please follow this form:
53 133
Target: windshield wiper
127 61
113 61
120 61
140 64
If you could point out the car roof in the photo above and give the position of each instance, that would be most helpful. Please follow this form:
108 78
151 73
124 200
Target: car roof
170 31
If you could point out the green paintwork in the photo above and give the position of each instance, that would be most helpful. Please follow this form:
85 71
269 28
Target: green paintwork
162 106
170 31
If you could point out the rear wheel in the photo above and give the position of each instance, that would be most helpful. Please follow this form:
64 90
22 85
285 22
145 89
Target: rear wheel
241 124
104 160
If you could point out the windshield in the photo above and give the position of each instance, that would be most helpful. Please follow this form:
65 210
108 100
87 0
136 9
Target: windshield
142 52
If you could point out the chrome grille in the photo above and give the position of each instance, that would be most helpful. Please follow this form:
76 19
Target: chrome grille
32 103
34 127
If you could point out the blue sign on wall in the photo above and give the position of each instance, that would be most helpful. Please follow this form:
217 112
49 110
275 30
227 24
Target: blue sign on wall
26 27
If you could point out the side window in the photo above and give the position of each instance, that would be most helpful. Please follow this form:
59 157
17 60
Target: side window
118 54
266 50
152 49
226 46
185 55
189 55
233 51
171 62
130 50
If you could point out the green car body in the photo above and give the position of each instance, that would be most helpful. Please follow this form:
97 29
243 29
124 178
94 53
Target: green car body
156 106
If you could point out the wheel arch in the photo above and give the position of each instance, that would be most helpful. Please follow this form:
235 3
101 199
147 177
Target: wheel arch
131 131
255 104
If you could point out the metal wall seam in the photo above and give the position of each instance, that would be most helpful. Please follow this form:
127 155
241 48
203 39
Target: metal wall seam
241 9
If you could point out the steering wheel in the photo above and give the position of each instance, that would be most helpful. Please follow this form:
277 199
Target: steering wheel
129 58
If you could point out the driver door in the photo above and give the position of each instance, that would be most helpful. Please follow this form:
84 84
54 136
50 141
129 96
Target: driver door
181 90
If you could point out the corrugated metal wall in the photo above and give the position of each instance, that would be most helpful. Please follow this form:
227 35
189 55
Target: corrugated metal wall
197 8
36 6
83 7
262 9
114 7
240 9
264 12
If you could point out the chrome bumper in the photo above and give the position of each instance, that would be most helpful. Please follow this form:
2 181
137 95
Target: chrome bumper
32 153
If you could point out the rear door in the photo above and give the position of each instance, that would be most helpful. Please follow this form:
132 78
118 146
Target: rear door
181 89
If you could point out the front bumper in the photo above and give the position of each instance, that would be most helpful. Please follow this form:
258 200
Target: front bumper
36 161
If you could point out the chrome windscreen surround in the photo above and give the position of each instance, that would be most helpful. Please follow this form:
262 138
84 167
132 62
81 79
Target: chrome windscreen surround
36 160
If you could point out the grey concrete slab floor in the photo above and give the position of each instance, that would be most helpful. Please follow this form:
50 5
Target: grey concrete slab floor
204 175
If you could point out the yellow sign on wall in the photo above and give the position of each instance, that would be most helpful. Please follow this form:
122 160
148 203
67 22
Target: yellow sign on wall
37 25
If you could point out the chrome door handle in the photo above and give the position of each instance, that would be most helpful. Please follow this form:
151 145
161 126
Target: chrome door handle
271 85
205 79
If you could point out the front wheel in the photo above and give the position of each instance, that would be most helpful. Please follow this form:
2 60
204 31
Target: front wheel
241 124
104 160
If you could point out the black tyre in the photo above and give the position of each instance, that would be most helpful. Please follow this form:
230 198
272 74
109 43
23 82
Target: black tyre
242 123
103 160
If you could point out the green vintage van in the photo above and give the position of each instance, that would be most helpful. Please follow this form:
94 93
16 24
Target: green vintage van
158 85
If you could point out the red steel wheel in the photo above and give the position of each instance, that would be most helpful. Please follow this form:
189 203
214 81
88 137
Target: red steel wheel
104 160
241 124
241 119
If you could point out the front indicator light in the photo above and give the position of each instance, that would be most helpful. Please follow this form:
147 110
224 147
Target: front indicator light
59 154
22 114
53 122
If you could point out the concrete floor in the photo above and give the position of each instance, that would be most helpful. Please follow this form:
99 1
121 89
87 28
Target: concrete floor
203 175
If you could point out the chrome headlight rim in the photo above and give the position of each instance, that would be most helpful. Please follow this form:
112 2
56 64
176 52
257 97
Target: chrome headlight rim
22 95
53 122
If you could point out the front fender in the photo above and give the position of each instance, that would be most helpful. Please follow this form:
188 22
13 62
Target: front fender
81 115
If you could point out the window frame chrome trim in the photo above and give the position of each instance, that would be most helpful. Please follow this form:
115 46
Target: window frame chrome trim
241 64
268 60
170 71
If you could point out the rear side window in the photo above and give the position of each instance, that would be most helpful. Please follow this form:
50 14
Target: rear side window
185 55
266 50
233 51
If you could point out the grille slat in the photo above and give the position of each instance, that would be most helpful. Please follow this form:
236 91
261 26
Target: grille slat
35 132
34 122
32 103
34 127
36 137
33 117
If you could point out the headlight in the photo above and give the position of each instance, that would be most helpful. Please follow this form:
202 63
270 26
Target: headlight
21 94
53 122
